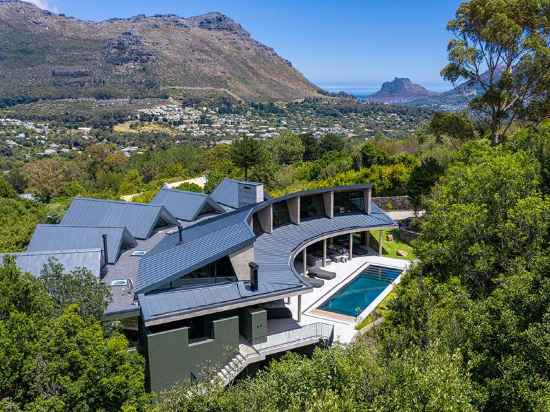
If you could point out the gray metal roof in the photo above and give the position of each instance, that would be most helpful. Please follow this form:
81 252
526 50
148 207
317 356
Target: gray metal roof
122 297
274 251
203 243
65 237
33 262
185 205
274 255
139 218
228 192
189 300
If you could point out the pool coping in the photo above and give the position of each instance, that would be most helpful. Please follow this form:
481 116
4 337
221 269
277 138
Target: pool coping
313 309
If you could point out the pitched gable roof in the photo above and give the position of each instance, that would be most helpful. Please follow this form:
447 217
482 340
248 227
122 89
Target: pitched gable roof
185 205
66 237
139 218
33 262
203 243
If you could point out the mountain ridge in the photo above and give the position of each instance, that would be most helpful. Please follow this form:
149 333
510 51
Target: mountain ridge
399 90
47 55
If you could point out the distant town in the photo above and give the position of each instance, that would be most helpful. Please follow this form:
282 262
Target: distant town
207 125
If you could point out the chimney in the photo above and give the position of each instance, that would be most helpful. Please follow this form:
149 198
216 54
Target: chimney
253 276
250 193
105 253
180 234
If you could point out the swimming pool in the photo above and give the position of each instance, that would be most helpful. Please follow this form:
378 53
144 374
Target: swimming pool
357 295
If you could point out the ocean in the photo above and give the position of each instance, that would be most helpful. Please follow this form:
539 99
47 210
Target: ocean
362 91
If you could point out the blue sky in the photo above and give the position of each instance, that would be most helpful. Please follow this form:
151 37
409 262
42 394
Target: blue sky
358 42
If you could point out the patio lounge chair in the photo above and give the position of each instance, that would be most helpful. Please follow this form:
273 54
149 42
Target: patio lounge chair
321 273
316 283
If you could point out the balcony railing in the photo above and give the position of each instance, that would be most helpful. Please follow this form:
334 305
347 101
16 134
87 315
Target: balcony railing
314 332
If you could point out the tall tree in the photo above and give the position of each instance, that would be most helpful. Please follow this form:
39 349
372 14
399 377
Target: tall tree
6 190
58 360
79 286
371 155
312 150
47 177
454 125
501 46
288 148
331 143
246 153
422 179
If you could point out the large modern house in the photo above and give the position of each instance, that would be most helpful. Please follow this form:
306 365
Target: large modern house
206 281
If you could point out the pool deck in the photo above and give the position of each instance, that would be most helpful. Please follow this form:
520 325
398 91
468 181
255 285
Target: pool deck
344 326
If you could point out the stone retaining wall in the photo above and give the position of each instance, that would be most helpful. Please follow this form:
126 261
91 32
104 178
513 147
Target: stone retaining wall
393 203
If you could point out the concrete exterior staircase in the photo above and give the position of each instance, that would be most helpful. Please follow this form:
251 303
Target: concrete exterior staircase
278 342
247 355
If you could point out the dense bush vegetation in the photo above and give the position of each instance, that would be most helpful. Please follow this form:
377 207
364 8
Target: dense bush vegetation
468 328
55 353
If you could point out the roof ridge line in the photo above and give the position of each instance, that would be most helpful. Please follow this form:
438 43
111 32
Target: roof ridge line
241 181
123 202
184 191
52 252
82 226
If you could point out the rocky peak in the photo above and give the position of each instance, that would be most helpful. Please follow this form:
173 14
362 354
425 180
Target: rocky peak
218 21
399 90
400 85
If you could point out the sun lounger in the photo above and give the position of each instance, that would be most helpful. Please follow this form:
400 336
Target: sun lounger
322 273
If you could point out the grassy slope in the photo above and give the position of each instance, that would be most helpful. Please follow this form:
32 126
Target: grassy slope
390 248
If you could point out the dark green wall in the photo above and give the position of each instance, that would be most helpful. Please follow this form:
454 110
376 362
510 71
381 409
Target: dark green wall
171 358
253 324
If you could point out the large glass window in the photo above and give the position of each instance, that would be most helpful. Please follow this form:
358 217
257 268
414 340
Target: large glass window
220 271
312 207
281 216
348 202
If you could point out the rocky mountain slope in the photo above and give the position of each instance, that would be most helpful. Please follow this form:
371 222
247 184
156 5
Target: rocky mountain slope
399 90
454 99
45 55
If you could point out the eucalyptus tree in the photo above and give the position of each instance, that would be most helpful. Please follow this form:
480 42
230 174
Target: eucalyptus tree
501 47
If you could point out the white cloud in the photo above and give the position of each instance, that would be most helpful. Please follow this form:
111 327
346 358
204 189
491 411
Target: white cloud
44 5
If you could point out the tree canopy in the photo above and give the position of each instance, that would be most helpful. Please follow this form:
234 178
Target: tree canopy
246 153
53 358
502 47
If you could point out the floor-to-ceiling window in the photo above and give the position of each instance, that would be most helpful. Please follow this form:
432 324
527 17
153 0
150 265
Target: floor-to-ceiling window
281 216
348 202
312 207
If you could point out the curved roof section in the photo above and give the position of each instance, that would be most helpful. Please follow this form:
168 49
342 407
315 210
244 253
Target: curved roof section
66 237
274 251
304 193
139 218
33 262
274 254
229 193
203 243
185 205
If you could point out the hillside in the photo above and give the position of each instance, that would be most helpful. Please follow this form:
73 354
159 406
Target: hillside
454 99
399 90
45 55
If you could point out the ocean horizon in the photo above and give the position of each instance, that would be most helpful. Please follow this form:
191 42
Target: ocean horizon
362 90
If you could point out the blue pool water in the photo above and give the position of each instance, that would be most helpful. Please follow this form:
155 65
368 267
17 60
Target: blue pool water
357 295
